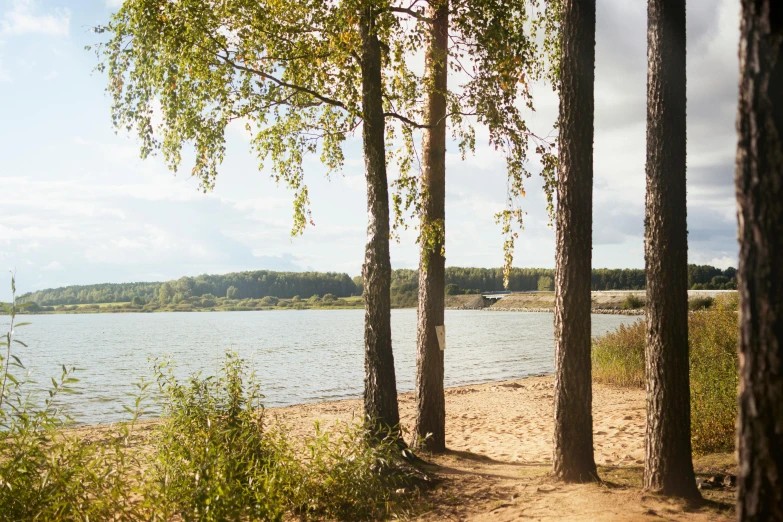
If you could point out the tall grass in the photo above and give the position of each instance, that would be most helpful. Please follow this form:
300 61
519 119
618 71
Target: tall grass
618 358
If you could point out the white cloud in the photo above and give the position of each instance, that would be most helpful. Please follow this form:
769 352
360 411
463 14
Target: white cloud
723 262
23 18
114 4
54 266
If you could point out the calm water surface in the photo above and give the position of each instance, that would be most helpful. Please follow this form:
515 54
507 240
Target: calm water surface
300 356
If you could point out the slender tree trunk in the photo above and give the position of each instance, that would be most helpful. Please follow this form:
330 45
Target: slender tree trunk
668 467
573 439
759 186
380 389
430 399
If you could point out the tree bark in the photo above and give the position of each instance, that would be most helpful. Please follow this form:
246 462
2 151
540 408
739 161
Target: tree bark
759 188
668 467
430 427
573 438
380 388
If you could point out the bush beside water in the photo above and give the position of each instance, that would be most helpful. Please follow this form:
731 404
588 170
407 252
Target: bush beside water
618 358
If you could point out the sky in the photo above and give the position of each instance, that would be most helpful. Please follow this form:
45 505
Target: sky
78 206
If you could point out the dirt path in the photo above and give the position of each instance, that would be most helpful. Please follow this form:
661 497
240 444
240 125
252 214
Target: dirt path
498 466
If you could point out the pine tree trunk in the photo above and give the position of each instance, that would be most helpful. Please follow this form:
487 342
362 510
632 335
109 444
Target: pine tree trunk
380 389
430 398
759 187
668 465
573 439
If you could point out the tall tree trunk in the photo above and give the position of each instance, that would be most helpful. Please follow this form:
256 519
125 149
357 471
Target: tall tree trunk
430 399
759 186
573 441
380 389
668 467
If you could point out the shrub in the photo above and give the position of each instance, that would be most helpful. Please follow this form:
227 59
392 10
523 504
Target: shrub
618 358
212 459
632 302
452 289
714 379
329 298
216 459
700 303
269 300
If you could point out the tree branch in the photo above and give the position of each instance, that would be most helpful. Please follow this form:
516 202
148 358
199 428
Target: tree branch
281 83
410 12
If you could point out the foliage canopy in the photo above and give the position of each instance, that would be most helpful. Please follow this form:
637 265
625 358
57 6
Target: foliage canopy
181 72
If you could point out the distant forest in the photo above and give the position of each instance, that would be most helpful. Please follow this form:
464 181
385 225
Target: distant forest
286 285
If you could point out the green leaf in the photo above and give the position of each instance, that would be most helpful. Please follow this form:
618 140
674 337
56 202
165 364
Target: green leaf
17 341
15 358
19 325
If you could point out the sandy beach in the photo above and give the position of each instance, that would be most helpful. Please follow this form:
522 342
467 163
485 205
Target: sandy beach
499 460
497 468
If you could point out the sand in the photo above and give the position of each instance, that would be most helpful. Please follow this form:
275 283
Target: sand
499 461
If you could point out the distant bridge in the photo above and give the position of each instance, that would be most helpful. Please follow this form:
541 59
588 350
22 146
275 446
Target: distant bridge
495 295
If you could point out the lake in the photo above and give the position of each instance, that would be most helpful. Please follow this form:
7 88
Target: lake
299 355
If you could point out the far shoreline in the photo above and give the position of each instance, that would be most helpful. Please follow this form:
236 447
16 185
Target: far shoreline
604 311
615 302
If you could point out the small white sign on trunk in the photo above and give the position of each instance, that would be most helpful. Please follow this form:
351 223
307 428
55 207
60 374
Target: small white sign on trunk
440 331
